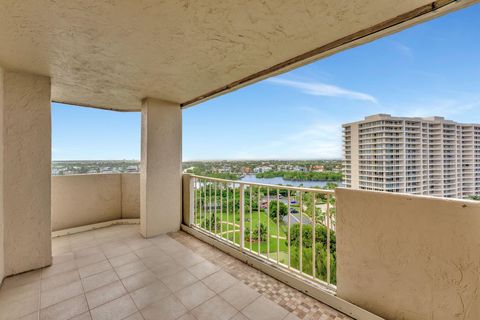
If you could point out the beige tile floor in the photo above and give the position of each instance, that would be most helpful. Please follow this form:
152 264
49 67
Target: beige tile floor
113 273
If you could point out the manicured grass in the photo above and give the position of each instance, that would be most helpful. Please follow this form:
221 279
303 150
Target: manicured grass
230 230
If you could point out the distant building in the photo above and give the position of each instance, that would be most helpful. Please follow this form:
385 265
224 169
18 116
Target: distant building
190 170
246 170
299 168
318 168
284 167
132 169
262 169
425 156
224 170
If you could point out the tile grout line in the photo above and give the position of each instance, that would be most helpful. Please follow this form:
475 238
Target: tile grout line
193 246
216 294
123 285
172 292
225 267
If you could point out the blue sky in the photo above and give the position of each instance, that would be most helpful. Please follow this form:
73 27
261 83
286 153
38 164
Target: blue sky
430 69
80 133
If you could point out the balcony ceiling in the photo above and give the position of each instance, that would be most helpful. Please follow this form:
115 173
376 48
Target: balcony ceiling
111 54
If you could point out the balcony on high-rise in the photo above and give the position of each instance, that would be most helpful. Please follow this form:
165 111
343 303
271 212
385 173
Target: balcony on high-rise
167 245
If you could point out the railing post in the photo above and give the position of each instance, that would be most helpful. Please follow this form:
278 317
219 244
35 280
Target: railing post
188 199
242 217
328 239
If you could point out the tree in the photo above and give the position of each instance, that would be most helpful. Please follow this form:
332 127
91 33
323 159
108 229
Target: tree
320 250
320 262
331 185
475 197
307 240
308 202
282 210
211 223
263 233
254 201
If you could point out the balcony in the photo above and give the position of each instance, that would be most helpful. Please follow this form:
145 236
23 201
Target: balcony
117 250
104 269
359 256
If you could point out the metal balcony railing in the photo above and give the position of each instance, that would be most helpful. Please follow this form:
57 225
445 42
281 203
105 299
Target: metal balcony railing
290 227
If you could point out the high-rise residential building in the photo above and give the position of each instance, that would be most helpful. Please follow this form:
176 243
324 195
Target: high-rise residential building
424 156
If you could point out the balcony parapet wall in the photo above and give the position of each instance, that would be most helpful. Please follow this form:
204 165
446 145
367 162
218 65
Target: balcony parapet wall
79 200
408 257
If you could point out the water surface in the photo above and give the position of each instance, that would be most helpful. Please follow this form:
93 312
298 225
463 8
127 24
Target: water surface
280 180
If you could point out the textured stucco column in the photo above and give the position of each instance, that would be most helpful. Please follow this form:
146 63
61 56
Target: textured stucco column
25 171
160 177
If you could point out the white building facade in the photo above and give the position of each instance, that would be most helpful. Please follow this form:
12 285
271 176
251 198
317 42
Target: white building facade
423 156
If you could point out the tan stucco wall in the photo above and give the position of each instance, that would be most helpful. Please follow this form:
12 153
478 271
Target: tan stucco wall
130 196
2 233
25 165
79 200
408 257
161 172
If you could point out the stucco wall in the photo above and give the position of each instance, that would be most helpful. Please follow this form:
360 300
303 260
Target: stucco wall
2 234
26 165
130 196
408 257
161 169
79 200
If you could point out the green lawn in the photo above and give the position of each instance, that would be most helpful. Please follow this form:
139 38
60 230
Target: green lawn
230 230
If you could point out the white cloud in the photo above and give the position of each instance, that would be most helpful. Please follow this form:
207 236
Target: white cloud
319 140
439 107
322 89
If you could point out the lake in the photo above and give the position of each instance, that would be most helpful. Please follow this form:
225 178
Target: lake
280 180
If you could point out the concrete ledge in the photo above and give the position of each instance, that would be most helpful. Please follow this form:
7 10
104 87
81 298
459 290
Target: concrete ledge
94 226
289 278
